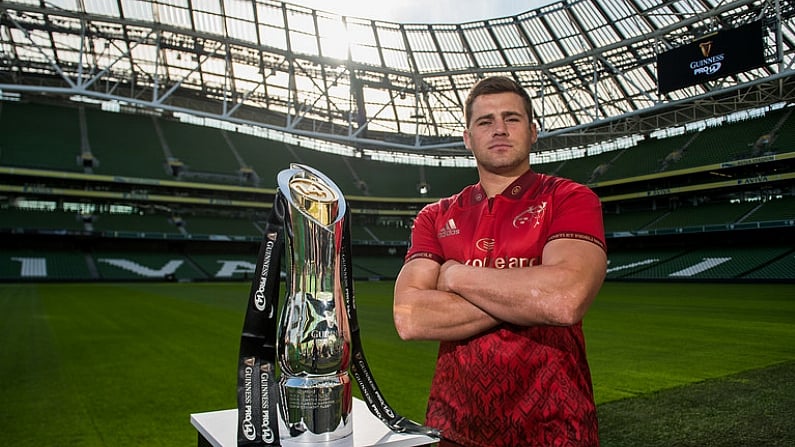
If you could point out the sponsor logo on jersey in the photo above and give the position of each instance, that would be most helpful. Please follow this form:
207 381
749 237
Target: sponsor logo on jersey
485 244
503 262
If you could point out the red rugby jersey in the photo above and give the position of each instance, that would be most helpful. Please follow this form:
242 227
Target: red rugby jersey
512 386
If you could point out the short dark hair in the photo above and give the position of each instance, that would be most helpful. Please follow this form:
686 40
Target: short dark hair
497 84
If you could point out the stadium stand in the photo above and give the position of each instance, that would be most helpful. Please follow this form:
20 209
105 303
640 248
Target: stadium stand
629 262
156 223
141 156
44 265
772 210
780 269
384 233
18 219
650 156
225 266
266 158
203 152
586 169
218 226
688 215
716 263
131 265
376 267
631 221
25 143
176 200
697 213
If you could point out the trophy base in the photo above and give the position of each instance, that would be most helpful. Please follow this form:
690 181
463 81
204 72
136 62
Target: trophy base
315 409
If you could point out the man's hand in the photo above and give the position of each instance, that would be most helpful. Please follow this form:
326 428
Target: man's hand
444 282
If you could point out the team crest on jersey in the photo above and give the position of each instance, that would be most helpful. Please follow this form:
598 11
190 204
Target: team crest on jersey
533 214
449 229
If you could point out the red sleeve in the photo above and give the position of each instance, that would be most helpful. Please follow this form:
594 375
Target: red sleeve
578 215
424 243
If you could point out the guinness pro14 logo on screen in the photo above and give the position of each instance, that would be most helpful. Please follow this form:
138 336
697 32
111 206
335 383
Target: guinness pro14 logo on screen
718 55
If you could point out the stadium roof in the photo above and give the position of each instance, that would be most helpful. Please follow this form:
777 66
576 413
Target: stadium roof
375 85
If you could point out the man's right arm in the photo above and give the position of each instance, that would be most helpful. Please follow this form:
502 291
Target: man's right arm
422 312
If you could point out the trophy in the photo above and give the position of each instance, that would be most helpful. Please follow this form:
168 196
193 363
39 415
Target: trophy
317 339
313 334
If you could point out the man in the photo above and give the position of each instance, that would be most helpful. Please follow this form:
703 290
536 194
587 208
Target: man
502 274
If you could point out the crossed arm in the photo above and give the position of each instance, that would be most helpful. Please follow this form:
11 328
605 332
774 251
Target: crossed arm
454 301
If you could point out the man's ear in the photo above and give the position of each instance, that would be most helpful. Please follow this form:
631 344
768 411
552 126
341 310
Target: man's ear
467 135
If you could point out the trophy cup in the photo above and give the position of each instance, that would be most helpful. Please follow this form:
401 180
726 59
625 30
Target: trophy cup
313 333
317 339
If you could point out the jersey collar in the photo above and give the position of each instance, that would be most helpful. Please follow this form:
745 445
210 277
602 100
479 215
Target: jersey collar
514 191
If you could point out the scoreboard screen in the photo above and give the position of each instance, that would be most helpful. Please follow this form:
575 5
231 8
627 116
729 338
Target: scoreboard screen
714 56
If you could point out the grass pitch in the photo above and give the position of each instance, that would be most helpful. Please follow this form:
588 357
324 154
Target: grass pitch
112 364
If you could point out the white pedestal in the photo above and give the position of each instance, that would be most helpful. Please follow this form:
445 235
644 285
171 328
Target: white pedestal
219 429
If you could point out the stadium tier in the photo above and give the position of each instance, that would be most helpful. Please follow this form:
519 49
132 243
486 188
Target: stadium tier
84 179
165 148
728 263
699 264
117 155
150 147
43 265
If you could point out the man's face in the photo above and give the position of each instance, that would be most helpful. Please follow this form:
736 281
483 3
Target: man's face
500 134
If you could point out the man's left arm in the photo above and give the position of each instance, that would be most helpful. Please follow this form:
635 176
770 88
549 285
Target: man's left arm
558 291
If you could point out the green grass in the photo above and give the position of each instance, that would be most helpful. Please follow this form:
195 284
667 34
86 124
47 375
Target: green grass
126 364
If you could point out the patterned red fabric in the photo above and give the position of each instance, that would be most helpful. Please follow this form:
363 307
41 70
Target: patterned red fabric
512 386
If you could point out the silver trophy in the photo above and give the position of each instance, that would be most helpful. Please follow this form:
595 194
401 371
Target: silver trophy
313 334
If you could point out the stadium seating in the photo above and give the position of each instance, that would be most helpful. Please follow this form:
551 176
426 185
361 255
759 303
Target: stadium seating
26 143
202 150
774 209
784 137
265 157
207 155
43 265
701 264
383 233
141 156
221 226
631 221
696 148
377 267
624 264
130 265
158 223
650 156
726 263
225 266
701 215
212 156
780 269
587 169
21 219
